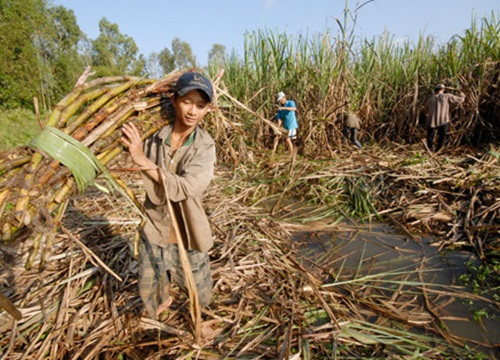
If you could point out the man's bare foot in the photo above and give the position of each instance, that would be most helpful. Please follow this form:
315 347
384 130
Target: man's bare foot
164 306
210 329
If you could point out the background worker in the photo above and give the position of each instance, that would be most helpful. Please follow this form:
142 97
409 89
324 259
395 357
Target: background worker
179 158
286 116
437 110
352 124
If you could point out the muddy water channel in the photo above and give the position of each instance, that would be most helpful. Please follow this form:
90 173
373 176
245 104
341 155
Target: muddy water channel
360 257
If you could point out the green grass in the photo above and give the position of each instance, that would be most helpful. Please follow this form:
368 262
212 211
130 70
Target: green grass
17 128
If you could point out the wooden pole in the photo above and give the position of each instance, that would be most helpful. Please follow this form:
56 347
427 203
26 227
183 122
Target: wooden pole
194 303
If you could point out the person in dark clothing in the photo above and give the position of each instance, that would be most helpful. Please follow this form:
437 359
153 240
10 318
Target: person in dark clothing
352 123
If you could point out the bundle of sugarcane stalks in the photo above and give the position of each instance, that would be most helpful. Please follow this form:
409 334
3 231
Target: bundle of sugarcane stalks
35 188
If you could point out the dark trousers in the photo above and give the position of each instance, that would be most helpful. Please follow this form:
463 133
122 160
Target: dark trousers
441 137
351 133
158 265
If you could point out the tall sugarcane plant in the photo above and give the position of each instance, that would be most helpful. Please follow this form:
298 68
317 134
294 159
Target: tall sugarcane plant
385 80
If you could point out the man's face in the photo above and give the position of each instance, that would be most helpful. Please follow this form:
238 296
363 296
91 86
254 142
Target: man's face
283 101
190 109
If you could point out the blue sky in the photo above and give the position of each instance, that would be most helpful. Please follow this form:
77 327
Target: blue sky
154 23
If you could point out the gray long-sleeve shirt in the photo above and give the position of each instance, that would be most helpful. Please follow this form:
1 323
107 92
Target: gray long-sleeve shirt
438 108
194 167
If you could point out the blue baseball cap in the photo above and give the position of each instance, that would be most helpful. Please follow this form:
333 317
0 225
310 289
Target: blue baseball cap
194 81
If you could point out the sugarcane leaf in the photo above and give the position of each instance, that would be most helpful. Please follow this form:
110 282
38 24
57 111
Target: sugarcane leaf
72 154
359 336
102 188
77 158
494 153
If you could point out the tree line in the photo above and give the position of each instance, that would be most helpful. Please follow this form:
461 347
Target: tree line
44 51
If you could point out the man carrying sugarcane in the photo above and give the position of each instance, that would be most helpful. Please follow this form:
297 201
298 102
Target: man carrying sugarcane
286 116
438 115
177 165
